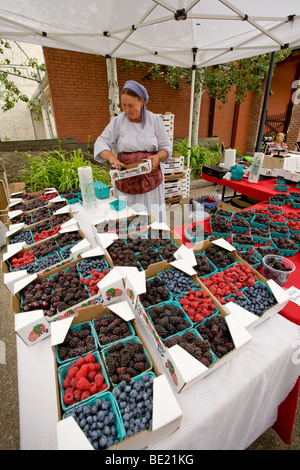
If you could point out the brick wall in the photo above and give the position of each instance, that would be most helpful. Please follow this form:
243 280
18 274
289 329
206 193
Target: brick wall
79 92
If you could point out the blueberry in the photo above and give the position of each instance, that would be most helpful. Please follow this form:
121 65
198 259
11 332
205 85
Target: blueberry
103 442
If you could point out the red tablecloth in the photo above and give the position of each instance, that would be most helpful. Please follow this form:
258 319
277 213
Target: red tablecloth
287 410
261 191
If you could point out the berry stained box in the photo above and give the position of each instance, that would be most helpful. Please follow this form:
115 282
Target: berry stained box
166 413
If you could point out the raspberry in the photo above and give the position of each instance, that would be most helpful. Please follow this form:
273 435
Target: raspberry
73 371
97 366
85 394
91 366
66 382
99 379
83 384
93 388
77 394
89 358
91 375
83 371
73 382
80 361
68 397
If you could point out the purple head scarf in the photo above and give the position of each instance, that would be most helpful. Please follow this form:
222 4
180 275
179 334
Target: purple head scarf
141 91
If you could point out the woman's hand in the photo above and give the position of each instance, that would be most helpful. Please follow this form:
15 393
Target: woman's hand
155 160
113 161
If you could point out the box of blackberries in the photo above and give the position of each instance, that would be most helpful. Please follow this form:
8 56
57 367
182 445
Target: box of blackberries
238 287
148 249
110 392
191 334
63 291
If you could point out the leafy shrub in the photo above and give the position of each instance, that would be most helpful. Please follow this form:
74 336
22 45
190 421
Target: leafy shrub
59 169
199 156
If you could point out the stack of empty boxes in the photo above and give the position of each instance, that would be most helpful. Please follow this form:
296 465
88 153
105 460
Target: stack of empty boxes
177 177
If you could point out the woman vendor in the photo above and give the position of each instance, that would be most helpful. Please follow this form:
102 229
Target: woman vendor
137 134
278 142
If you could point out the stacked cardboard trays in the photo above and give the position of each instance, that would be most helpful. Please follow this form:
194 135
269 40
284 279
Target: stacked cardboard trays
183 367
174 165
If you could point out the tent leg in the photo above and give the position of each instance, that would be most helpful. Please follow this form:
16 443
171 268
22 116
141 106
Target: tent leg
265 104
113 86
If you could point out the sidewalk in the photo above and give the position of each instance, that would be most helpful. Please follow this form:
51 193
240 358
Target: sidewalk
9 417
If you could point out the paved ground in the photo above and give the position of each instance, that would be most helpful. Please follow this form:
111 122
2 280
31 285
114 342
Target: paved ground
9 418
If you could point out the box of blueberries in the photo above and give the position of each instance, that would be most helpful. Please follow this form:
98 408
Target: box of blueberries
133 383
182 320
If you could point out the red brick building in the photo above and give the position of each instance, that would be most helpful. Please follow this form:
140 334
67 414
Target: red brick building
79 94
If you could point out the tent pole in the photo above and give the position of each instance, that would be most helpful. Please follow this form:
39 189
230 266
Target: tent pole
265 104
191 113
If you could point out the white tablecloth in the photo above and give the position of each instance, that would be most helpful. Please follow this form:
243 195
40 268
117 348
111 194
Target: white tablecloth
227 409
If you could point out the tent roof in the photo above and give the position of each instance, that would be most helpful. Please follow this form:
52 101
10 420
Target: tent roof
171 32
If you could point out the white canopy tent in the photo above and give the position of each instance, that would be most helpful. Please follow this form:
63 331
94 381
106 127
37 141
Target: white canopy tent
186 33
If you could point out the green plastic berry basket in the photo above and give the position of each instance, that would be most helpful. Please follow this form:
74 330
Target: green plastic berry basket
256 224
78 328
214 268
105 352
272 211
281 187
260 240
239 229
197 335
74 200
179 296
169 273
294 204
100 257
203 323
170 295
27 237
264 248
101 190
118 205
278 234
238 216
261 284
274 202
170 303
116 389
228 214
241 246
131 333
62 372
257 263
283 251
98 399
